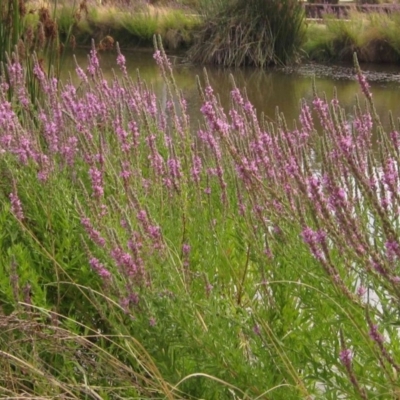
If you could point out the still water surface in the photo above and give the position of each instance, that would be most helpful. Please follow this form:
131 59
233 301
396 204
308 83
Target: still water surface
267 89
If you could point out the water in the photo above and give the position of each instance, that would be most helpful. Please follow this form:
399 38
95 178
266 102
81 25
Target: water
266 89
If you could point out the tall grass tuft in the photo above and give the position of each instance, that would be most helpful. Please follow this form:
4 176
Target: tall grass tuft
259 33
136 25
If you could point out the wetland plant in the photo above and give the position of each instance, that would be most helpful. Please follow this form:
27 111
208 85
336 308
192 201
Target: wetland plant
141 257
240 32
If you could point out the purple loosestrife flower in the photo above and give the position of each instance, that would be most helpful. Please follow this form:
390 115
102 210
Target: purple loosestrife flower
207 110
122 135
237 97
346 144
150 101
209 91
23 97
69 150
291 166
257 330
142 217
196 169
80 72
50 132
208 289
378 267
361 291
395 138
125 171
121 62
364 84
9 126
156 161
16 206
99 268
97 182
41 77
248 107
94 65
390 173
15 73
131 300
346 358
186 249
125 261
238 122
375 335
135 245
314 239
4 87
363 125
174 167
45 167
160 59
154 231
306 120
94 235
134 130
322 109
392 250
337 198
24 150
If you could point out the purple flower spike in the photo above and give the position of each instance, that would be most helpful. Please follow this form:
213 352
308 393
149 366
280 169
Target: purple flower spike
16 206
346 357
375 335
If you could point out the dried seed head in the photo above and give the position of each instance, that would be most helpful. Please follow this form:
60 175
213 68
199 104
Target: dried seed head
21 50
73 42
29 37
41 38
22 8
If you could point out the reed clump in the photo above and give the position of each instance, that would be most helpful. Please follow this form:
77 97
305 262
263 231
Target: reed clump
258 33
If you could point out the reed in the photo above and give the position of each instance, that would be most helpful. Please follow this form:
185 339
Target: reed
255 33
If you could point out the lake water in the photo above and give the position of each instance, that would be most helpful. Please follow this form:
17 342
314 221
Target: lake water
266 89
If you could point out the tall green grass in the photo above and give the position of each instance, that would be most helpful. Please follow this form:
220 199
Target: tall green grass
131 26
373 36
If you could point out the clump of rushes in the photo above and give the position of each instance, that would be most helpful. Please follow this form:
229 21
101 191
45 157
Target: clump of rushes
242 258
259 33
